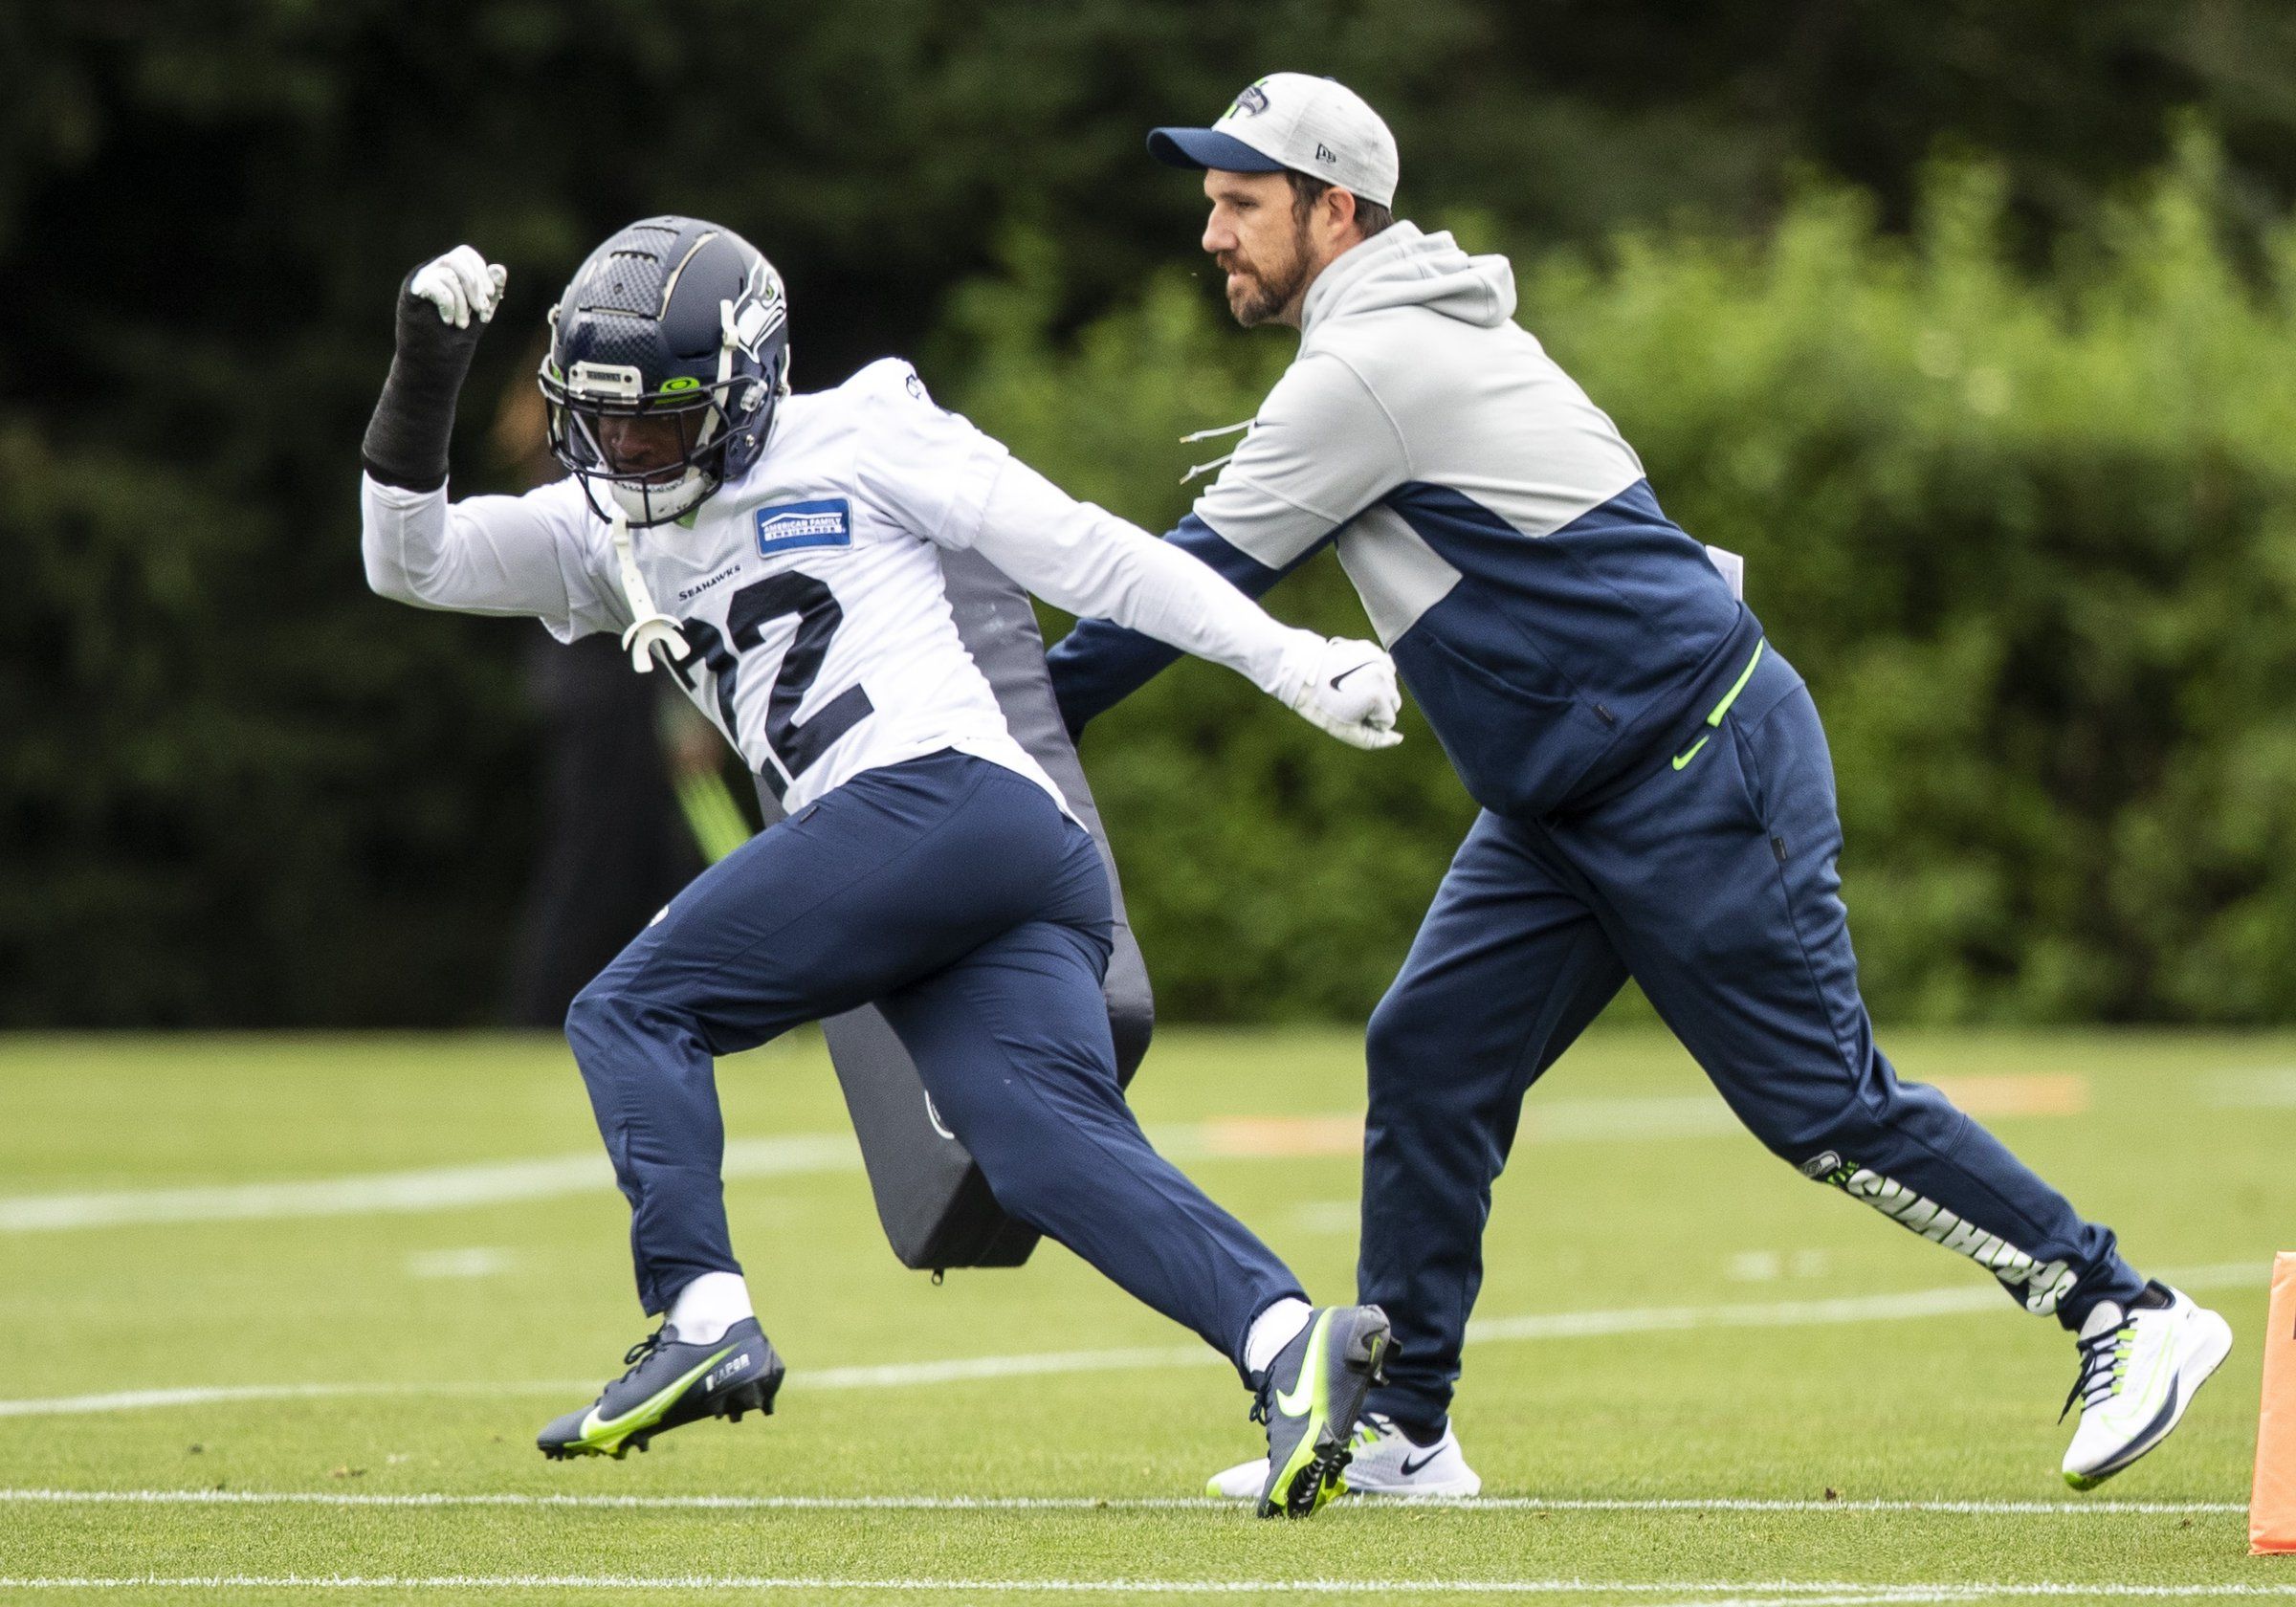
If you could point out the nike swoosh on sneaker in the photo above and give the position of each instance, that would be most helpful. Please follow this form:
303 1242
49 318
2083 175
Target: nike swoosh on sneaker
1410 1468
1300 1400
656 1403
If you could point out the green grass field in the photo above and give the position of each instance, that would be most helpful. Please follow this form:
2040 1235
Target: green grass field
282 1313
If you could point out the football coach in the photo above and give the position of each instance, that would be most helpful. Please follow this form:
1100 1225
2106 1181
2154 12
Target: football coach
1657 796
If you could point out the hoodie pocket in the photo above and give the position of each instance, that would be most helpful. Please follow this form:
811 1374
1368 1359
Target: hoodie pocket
1519 751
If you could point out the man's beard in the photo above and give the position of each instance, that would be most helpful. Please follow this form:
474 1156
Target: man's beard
1262 297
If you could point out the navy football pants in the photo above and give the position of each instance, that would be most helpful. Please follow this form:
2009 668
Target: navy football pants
1713 884
955 896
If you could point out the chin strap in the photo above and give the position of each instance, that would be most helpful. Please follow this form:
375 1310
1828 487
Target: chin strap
651 627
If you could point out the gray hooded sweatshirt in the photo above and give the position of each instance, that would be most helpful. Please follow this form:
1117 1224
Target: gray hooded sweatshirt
1558 630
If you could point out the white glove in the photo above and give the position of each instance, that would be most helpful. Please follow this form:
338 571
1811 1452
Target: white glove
458 284
1345 687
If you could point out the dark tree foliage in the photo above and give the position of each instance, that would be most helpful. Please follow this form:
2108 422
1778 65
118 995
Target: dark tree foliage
241 791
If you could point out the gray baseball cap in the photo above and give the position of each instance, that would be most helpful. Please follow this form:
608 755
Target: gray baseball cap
1291 120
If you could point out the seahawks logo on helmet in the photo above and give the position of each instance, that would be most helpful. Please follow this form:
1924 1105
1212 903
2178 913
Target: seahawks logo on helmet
669 354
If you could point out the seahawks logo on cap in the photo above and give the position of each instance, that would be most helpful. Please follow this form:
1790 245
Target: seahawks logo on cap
1250 103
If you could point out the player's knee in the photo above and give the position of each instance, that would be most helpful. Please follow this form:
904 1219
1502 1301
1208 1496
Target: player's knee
1032 1188
587 1018
1041 1162
603 1015
1418 1074
1397 1040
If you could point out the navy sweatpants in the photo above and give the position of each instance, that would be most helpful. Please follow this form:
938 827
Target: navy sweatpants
955 896
1713 884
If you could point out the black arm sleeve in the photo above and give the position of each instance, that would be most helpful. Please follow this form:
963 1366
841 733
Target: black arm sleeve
406 439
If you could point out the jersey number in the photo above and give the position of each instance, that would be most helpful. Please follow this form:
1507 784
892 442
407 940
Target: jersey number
751 609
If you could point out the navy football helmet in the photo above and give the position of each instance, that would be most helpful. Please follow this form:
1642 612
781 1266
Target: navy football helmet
674 336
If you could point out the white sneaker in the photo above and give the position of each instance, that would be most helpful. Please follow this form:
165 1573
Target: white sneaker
2139 1370
1385 1463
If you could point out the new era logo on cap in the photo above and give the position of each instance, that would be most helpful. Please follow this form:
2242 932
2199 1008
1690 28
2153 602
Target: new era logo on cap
1311 126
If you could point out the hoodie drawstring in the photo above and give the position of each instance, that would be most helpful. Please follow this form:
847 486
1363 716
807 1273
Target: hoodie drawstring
1194 436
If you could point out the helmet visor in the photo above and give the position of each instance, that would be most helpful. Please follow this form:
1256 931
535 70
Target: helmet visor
647 447
607 428
627 434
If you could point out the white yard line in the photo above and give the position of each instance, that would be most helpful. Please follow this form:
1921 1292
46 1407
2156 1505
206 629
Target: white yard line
2261 1088
1852 1596
205 1394
902 1374
1082 1502
1958 1300
1626 1120
1778 1314
1878 1595
435 1188
1704 1593
441 1188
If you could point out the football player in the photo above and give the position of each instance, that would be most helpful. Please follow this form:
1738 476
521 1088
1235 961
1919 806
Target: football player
779 554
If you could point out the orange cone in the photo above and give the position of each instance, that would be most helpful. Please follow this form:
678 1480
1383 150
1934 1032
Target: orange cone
2272 1504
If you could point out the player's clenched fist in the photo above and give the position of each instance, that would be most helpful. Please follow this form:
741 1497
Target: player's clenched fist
443 307
1345 687
461 284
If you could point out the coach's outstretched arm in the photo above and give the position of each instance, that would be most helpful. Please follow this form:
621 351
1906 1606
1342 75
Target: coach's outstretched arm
1320 452
488 555
1100 663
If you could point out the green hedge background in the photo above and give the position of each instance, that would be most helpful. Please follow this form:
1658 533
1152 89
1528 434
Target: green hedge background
1974 332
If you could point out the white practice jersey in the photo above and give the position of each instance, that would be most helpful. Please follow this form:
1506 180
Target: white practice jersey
809 589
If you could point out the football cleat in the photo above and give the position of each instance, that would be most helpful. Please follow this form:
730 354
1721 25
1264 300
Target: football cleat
2140 1368
669 1384
1309 1398
1383 1460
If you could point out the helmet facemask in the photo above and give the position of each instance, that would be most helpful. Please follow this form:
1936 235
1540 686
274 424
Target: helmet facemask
656 453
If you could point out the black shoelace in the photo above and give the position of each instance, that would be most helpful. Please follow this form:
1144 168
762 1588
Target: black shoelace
2100 1369
635 1356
